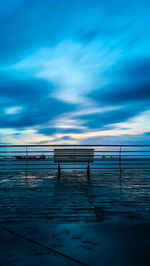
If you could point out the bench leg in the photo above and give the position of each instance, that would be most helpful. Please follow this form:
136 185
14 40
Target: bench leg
88 170
59 171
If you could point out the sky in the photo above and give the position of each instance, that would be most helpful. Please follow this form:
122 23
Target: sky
75 72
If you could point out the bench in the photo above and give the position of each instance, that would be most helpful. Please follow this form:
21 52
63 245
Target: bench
72 156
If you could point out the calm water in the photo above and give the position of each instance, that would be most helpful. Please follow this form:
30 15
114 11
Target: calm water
98 164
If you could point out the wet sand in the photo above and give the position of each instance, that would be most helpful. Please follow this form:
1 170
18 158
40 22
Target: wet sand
46 220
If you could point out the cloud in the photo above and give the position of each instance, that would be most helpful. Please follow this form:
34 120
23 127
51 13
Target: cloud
129 83
103 120
74 71
28 102
133 126
13 110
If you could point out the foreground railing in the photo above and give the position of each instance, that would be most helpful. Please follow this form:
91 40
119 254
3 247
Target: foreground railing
78 157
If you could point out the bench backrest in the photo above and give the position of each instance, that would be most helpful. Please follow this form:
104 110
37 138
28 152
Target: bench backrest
73 155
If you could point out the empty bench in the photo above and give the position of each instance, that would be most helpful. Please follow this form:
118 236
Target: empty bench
73 156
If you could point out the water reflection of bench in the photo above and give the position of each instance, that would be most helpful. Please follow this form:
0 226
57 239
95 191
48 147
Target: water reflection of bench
74 156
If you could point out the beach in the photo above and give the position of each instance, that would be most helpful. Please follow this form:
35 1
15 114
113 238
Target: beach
99 220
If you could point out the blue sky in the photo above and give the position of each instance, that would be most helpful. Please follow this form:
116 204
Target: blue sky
74 72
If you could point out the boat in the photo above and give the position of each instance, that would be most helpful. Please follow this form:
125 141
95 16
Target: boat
30 157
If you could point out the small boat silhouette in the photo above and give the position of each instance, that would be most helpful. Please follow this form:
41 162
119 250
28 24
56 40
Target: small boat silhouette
30 157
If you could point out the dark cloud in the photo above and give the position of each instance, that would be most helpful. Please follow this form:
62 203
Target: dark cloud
137 70
24 91
130 83
49 131
33 97
97 121
129 88
66 138
122 93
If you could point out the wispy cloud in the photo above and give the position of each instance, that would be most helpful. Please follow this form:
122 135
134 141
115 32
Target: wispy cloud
13 110
75 72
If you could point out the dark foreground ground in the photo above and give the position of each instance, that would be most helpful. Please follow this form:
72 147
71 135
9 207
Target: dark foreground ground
74 221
